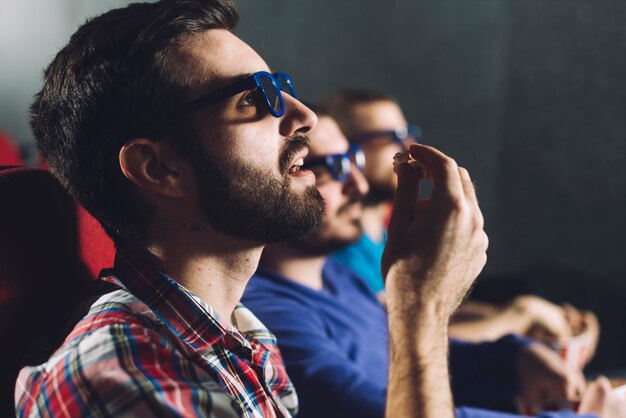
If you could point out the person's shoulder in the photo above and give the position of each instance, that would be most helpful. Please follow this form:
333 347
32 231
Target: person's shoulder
116 336
122 364
335 267
280 303
266 286
262 280
111 321
116 307
337 272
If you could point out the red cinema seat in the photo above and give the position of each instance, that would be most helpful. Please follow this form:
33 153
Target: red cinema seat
97 250
50 251
9 152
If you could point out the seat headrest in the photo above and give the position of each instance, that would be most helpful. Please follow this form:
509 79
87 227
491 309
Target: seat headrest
50 251
9 152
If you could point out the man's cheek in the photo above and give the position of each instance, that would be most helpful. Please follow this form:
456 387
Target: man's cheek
332 198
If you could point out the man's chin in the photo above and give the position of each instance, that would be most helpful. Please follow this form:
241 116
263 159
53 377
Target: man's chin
263 215
320 244
338 244
305 216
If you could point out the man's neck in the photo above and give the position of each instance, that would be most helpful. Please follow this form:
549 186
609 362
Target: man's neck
295 265
214 266
373 220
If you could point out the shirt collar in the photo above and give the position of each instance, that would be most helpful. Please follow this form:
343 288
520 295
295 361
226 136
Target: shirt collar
187 315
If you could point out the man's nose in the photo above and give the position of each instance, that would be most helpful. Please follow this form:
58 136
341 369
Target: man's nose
356 184
408 141
298 118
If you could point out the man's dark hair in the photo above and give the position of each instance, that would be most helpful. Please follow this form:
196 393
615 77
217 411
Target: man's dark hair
340 105
102 89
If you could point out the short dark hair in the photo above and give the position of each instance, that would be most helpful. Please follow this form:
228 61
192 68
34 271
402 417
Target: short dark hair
100 89
340 105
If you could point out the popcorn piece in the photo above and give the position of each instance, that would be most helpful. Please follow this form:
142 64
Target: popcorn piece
405 157
401 157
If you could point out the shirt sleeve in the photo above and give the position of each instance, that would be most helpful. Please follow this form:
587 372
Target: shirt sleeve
484 374
122 370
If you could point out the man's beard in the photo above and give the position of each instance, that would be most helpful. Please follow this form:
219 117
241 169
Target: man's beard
246 202
324 242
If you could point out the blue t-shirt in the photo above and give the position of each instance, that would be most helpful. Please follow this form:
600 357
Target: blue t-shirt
363 257
334 343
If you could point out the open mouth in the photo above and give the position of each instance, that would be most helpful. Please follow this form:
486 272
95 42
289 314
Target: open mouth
297 166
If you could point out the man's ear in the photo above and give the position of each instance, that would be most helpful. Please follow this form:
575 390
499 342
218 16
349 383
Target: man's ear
155 166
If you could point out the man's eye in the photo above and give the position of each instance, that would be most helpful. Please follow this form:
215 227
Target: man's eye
251 98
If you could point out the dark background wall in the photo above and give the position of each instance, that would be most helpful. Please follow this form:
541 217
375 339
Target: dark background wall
529 95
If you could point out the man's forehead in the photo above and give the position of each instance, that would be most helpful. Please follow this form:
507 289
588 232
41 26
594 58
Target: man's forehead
379 115
215 57
327 138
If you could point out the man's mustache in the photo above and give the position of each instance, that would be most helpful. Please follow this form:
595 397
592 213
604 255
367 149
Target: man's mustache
296 144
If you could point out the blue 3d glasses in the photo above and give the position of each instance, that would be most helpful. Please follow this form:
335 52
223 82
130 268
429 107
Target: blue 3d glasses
338 165
271 86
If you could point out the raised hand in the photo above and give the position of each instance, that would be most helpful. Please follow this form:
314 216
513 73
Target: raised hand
434 252
436 247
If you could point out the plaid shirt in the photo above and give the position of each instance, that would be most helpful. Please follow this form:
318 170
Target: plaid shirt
153 348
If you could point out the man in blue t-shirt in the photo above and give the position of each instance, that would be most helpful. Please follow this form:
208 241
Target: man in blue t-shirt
333 332
375 121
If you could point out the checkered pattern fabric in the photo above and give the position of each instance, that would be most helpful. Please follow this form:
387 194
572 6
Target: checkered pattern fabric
152 348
